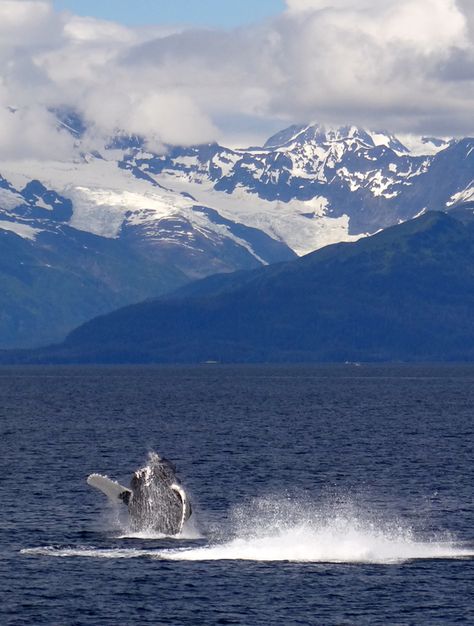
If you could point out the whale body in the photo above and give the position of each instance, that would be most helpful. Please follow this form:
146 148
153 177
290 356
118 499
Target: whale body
155 499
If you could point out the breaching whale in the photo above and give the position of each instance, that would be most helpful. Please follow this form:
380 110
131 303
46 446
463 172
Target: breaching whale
155 499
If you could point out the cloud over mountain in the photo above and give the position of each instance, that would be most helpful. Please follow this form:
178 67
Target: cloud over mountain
403 64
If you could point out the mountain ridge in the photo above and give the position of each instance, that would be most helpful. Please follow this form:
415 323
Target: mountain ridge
405 294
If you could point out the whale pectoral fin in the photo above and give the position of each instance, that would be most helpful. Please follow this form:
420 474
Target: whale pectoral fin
111 488
185 502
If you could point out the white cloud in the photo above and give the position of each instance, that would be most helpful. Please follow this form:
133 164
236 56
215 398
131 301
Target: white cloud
407 65
88 30
162 117
376 62
32 132
317 5
27 23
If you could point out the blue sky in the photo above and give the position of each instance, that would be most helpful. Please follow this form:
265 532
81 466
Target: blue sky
223 13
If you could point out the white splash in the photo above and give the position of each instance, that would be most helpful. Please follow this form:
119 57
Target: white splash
190 531
341 541
269 529
272 531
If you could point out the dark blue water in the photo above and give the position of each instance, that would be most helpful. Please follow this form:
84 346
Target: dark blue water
321 495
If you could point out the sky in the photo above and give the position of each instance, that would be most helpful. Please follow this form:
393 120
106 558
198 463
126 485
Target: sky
194 71
216 13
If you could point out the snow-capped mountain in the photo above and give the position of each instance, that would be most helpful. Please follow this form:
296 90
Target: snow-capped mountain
120 224
307 186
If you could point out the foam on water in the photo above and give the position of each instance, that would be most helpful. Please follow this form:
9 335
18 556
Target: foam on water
89 551
342 543
190 531
272 530
299 544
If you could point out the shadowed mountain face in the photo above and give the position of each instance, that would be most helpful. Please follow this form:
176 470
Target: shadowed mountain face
55 276
65 277
406 293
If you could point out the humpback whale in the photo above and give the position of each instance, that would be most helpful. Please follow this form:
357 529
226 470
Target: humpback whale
155 499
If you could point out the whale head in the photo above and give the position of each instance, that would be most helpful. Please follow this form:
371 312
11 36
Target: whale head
158 502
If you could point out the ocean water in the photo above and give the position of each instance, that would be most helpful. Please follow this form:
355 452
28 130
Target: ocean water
321 495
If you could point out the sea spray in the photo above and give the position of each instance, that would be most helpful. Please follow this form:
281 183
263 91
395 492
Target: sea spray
269 529
286 529
190 531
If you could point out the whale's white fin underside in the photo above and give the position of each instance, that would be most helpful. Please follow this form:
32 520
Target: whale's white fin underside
111 488
186 508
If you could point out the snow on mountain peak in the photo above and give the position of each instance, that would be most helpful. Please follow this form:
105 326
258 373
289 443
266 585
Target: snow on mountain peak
359 176
321 134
